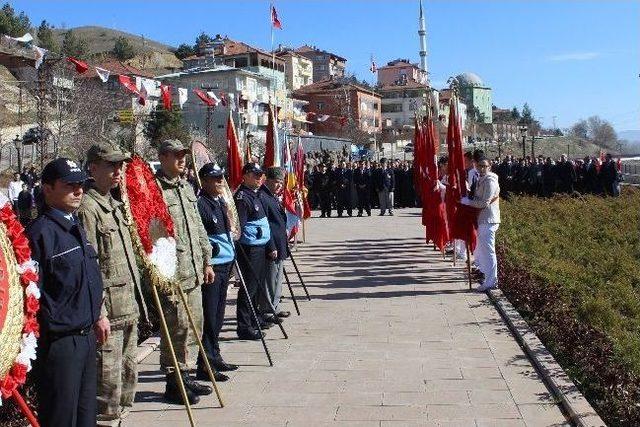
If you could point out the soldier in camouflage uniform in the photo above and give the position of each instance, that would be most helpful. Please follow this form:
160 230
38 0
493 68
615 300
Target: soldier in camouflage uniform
194 255
103 219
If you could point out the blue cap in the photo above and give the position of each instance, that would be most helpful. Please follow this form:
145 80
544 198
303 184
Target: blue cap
211 170
63 169
252 168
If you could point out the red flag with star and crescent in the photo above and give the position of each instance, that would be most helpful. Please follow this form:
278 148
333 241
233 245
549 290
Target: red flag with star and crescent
274 18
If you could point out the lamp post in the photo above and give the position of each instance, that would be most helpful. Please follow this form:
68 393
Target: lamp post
523 133
18 143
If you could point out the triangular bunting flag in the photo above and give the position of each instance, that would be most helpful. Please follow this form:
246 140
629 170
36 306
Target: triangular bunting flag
103 74
183 94
81 66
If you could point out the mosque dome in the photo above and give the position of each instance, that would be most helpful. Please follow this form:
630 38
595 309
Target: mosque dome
469 79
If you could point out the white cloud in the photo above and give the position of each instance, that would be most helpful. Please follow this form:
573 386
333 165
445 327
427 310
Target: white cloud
574 56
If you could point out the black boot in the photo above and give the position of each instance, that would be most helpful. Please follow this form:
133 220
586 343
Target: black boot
172 392
196 387
203 375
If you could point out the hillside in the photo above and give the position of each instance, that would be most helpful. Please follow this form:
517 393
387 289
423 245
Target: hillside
549 147
151 55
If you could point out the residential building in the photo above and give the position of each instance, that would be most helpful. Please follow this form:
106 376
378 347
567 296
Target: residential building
341 107
298 69
236 54
325 64
505 127
403 93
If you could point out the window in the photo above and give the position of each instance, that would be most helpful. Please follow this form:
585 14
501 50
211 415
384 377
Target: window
322 67
241 62
254 60
375 106
320 106
391 108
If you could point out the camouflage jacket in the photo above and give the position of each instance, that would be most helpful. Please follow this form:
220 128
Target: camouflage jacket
193 247
107 230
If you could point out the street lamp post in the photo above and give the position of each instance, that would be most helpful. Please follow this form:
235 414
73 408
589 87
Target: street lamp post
523 132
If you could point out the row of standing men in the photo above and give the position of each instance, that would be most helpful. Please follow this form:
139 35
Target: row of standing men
92 296
363 185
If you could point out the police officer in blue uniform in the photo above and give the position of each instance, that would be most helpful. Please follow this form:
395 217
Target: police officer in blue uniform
254 236
213 211
71 298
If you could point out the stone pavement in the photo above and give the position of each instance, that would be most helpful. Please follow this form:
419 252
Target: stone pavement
392 336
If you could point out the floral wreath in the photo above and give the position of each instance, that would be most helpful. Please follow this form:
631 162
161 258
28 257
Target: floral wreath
151 225
12 236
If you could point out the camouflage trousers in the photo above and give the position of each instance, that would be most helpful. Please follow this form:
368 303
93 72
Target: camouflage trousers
182 337
117 374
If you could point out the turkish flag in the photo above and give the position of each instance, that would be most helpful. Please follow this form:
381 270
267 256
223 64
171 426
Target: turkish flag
274 19
81 66
209 102
234 161
127 83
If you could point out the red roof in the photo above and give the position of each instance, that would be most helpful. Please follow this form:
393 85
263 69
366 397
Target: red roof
330 84
116 67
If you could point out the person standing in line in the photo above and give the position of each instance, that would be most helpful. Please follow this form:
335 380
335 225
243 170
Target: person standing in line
193 271
15 187
251 248
486 199
386 186
270 192
213 211
71 289
362 180
103 218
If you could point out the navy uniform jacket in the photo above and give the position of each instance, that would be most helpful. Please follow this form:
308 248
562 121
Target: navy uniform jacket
277 218
254 226
70 279
362 178
386 180
214 217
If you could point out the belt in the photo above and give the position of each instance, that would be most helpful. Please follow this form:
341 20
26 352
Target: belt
53 336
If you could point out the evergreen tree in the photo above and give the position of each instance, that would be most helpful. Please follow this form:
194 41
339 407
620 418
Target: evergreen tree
184 50
202 40
123 49
527 115
515 114
74 46
166 124
11 24
46 37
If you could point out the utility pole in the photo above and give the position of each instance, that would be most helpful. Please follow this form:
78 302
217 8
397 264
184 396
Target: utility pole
554 122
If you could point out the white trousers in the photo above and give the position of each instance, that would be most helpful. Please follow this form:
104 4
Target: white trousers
460 247
485 253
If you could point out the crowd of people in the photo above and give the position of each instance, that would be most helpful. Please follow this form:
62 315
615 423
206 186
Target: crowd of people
91 288
337 184
544 177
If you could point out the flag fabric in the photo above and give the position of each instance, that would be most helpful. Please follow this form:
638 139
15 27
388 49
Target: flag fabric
373 67
247 152
205 98
461 221
299 164
234 161
103 74
293 217
165 93
183 94
39 55
274 18
142 100
213 96
272 146
127 83
287 164
27 38
81 66
223 99
433 207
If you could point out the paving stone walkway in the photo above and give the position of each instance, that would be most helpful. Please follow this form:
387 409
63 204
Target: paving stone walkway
392 336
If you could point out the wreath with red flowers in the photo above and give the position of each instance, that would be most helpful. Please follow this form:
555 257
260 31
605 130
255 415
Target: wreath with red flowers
18 263
152 228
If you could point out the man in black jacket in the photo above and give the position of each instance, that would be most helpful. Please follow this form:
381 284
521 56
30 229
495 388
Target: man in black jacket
385 186
277 246
362 180
566 175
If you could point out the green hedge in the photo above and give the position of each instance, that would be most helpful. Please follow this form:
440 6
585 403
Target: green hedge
590 247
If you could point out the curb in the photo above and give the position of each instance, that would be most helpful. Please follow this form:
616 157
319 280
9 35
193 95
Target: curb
147 347
573 402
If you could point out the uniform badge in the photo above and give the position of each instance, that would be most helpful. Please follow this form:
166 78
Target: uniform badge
215 220
256 208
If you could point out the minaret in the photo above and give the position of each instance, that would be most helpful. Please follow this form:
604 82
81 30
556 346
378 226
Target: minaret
422 32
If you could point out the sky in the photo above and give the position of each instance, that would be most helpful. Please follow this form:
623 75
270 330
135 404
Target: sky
568 59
